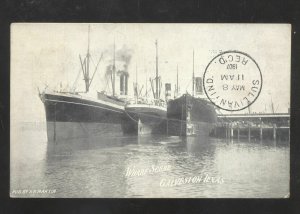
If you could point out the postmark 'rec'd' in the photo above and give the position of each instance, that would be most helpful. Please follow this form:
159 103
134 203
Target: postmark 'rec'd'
232 80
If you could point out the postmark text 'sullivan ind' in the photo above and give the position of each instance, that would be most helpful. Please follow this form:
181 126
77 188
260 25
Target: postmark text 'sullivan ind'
232 80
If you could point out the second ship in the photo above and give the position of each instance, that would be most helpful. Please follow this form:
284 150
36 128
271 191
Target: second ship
147 116
189 114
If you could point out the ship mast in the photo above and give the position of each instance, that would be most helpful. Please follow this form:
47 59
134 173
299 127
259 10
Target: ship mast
193 76
87 77
272 105
114 70
85 66
177 82
136 74
136 83
146 83
156 78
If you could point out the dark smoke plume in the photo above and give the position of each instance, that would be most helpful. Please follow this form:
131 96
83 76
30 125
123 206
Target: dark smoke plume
122 55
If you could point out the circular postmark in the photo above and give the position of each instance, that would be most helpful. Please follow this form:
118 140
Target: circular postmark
232 80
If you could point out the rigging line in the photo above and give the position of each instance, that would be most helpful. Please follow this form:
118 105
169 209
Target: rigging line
76 81
82 65
107 88
96 68
188 85
93 61
141 91
147 91
131 117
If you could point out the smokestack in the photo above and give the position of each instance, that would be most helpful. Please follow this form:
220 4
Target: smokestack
199 90
124 83
121 60
168 90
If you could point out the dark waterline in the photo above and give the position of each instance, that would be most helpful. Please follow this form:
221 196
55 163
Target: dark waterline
168 166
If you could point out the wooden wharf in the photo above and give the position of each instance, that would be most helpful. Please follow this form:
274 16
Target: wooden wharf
253 126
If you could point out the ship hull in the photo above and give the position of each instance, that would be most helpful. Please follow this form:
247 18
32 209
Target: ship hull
73 130
188 116
145 119
176 128
74 116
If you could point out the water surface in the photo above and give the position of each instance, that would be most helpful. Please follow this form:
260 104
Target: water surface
171 167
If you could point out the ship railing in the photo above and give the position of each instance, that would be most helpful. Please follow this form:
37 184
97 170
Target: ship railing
150 102
81 95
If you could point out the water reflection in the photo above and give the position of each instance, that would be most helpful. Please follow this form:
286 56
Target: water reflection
99 167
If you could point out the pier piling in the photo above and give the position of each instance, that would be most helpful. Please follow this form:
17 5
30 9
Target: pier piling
256 130
228 130
254 126
289 133
260 132
238 131
54 124
215 131
274 131
249 132
167 127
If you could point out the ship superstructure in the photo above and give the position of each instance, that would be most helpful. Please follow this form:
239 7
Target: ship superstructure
147 115
73 114
189 114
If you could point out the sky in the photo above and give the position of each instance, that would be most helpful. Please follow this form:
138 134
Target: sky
48 54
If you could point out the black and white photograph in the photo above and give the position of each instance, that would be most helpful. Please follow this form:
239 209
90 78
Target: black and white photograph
149 110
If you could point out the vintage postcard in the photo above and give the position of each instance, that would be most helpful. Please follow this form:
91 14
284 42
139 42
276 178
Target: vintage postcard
150 110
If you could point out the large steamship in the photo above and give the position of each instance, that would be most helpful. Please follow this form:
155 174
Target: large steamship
189 114
147 116
71 114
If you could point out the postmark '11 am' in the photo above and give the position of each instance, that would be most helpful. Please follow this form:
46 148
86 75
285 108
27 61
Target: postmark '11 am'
232 80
